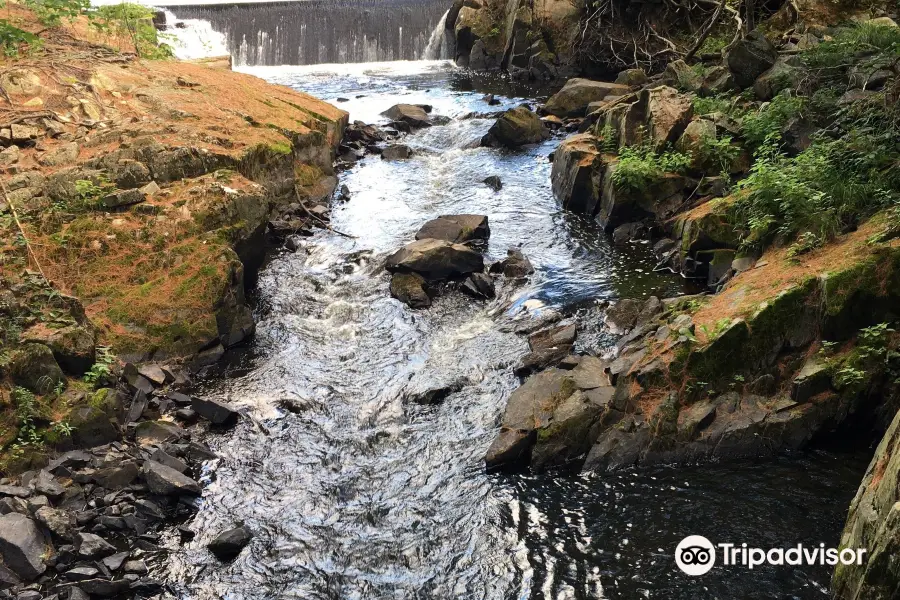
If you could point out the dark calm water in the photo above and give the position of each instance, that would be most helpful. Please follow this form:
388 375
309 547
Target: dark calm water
360 494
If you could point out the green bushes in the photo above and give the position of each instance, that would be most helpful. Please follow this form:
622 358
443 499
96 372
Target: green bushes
127 20
849 45
717 154
12 39
640 167
134 22
758 127
828 188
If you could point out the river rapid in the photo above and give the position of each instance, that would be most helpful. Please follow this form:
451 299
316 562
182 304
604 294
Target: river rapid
359 493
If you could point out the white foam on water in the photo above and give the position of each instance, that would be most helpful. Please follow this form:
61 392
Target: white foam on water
193 38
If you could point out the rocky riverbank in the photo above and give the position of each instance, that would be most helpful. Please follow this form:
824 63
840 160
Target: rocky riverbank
759 178
140 198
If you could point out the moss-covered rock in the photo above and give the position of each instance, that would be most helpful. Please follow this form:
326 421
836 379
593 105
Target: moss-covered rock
514 128
73 346
34 367
873 524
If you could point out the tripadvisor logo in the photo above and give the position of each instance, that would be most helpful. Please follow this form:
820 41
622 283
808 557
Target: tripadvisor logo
695 555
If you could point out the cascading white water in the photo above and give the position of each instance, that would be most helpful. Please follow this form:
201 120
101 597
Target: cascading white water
438 47
320 31
193 38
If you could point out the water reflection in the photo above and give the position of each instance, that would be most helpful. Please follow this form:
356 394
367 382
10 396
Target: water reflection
356 493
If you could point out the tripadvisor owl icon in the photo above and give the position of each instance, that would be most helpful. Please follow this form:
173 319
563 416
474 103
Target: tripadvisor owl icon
695 555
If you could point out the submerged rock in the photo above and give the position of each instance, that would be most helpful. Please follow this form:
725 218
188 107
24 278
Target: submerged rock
515 265
229 544
397 152
494 182
479 285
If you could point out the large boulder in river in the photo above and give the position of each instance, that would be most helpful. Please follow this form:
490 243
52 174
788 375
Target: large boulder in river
577 174
22 546
435 260
553 418
573 99
750 58
456 228
515 127
411 114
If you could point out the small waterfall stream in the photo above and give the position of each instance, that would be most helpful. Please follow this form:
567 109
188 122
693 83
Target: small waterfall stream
438 47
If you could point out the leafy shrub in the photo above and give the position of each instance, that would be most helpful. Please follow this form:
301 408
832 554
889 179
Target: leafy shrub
848 44
53 12
806 242
132 21
712 104
780 199
758 127
717 153
101 371
640 167
12 38
26 410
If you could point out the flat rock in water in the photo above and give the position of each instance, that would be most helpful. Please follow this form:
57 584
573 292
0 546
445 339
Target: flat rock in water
215 411
435 259
22 546
397 152
456 228
229 544
411 114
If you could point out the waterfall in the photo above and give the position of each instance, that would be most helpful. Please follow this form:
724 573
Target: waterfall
322 31
438 45
193 38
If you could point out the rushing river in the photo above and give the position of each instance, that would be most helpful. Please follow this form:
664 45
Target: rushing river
358 493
